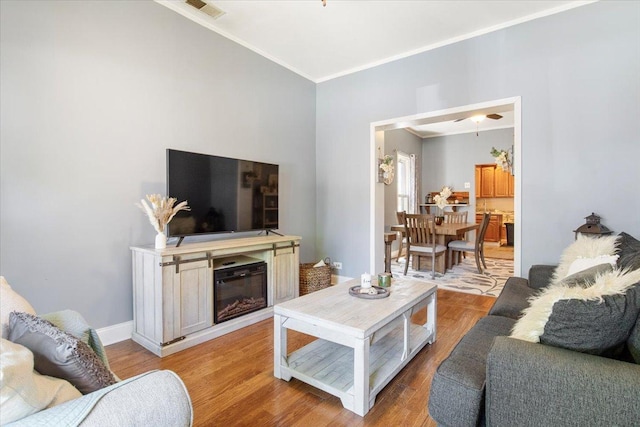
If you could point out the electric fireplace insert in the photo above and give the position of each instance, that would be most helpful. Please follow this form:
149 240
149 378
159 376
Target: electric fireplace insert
240 287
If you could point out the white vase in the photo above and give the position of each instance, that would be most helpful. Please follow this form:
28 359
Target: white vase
161 241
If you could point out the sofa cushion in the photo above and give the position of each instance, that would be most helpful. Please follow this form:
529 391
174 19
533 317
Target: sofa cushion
595 327
589 319
10 301
513 298
59 354
633 343
583 247
22 390
457 388
629 251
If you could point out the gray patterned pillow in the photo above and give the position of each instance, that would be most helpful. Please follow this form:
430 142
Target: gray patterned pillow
59 354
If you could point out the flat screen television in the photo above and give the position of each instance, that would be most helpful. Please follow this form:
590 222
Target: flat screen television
226 195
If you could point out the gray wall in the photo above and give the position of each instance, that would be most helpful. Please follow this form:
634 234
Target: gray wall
577 73
450 160
92 93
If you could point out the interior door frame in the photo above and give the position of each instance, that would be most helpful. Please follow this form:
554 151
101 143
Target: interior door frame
376 199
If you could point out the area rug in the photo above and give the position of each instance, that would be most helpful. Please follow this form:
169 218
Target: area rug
464 277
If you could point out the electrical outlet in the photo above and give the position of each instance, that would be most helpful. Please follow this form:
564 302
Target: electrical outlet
337 265
467 185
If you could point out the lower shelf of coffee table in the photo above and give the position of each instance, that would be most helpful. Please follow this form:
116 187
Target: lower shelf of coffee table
329 366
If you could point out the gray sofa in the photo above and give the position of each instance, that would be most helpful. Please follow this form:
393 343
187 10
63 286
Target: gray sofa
492 379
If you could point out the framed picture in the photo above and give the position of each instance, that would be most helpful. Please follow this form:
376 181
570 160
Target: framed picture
248 178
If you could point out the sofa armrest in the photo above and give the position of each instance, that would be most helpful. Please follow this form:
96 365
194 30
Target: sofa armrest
540 275
155 398
553 386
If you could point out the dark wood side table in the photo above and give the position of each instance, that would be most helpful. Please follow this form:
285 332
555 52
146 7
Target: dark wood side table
388 239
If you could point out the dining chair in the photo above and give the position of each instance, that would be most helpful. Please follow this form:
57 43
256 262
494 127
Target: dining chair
457 218
403 235
477 247
421 240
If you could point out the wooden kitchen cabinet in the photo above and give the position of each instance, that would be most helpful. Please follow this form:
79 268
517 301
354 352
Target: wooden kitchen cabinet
487 176
503 183
492 181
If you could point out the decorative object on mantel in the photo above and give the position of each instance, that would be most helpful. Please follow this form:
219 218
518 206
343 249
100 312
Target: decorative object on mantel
385 169
503 159
441 201
592 227
161 211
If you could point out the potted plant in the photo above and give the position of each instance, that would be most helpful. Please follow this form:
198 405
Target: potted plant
161 211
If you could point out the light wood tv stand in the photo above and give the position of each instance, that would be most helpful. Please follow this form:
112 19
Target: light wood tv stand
173 289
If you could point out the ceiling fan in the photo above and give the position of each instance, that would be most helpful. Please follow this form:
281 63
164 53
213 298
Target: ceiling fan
480 117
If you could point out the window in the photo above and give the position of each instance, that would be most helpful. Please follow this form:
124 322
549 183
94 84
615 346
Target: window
404 182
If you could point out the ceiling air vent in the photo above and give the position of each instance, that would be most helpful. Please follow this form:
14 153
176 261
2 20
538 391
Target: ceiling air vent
209 9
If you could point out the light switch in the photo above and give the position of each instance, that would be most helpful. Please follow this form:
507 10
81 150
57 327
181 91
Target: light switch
467 185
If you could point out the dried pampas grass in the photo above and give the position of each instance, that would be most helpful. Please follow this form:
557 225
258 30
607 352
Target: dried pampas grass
162 210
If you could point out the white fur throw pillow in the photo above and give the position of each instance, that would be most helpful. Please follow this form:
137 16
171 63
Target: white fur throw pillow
531 326
583 247
10 301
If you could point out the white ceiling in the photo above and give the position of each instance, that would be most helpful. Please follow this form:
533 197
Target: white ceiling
321 43
451 127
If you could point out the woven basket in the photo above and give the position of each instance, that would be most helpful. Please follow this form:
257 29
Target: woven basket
314 278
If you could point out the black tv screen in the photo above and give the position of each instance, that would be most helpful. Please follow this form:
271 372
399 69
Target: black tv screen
225 195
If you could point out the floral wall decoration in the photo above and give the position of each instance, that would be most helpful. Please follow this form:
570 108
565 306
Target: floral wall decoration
385 169
503 159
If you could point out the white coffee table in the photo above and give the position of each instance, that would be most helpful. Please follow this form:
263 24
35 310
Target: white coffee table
363 343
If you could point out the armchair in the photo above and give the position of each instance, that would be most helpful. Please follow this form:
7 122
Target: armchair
30 399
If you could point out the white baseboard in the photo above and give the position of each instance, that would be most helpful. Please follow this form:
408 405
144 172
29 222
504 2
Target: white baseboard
116 333
335 279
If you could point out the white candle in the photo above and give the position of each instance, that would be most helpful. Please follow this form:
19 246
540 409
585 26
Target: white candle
365 280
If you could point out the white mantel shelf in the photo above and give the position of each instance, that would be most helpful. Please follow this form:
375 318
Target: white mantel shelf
226 245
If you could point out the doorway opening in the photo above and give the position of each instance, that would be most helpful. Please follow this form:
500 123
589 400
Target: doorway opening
377 131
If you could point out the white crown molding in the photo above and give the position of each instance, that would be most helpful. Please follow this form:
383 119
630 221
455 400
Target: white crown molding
207 22
453 40
203 19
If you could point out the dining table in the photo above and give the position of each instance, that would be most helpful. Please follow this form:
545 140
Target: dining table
445 233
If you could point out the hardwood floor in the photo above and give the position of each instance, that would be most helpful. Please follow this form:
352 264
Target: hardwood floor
495 251
230 379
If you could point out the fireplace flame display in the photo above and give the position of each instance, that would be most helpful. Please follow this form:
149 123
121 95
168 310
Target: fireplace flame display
237 307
